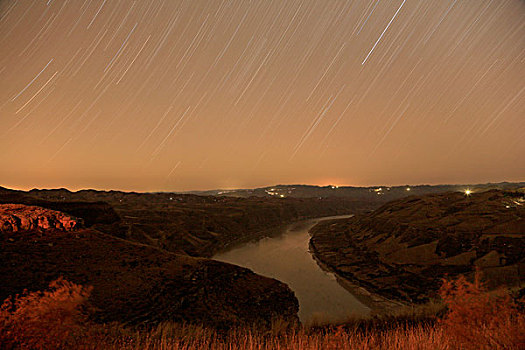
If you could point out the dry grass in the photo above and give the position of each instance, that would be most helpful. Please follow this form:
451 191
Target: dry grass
480 320
475 319
302 339
43 320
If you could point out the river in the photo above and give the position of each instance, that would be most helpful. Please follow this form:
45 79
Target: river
286 257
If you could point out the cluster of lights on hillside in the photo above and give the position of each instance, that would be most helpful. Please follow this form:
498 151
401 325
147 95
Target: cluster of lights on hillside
224 192
515 203
278 192
380 190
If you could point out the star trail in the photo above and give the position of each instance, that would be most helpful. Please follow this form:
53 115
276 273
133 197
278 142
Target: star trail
155 95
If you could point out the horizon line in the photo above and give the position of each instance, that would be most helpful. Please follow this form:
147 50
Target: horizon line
338 186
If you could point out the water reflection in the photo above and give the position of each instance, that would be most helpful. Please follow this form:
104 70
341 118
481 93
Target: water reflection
286 257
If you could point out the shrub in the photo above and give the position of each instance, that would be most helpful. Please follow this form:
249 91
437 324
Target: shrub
43 320
477 319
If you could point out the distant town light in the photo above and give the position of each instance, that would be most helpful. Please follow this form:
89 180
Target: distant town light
468 192
408 188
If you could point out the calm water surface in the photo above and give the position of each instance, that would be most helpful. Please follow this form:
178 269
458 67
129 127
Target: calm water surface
286 257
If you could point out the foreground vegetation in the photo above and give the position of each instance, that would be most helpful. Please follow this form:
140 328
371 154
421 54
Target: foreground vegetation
473 319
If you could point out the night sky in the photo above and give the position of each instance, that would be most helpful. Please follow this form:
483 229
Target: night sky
167 95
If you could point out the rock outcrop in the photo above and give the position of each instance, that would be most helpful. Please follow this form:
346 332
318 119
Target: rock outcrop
402 250
92 212
19 218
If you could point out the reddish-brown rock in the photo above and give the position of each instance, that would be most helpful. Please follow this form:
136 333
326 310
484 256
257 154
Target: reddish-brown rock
21 218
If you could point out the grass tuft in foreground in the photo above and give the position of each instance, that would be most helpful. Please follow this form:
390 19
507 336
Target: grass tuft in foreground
473 319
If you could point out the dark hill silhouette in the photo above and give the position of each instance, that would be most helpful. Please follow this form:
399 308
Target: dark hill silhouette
135 283
377 194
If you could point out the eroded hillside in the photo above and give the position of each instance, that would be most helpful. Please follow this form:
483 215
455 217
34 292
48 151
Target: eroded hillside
403 249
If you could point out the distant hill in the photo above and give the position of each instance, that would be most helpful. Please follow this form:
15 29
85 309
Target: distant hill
373 193
183 223
403 249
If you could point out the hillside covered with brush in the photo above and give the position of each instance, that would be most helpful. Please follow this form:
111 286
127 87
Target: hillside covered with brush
402 250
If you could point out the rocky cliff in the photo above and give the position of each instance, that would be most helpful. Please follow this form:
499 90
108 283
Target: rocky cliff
17 217
403 249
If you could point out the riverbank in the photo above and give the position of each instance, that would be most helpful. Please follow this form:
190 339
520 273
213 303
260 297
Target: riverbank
377 303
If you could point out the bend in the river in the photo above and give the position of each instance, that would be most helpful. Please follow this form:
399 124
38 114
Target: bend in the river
286 257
